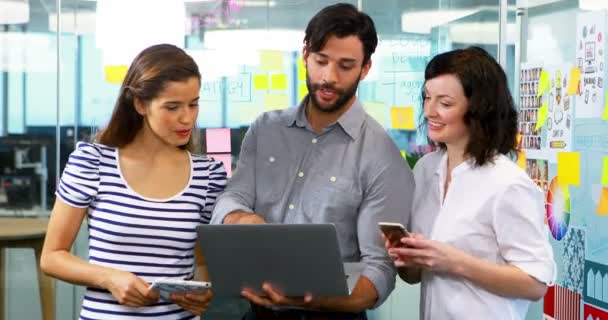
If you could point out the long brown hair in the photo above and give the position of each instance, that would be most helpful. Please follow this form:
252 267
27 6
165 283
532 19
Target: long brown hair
146 78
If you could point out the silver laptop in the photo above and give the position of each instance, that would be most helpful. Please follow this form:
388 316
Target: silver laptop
295 258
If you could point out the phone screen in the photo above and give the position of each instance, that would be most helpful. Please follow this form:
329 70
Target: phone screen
394 233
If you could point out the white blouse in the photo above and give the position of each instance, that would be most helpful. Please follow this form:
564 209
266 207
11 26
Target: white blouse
494 212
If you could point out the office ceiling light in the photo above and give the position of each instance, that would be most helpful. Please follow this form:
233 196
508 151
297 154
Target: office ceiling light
14 11
424 21
125 27
593 4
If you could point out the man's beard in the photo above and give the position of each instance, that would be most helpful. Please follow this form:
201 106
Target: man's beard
344 95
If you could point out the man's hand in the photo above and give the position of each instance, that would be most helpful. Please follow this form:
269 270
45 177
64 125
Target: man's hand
275 298
241 217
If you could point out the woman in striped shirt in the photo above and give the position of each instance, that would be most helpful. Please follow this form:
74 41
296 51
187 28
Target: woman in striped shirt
143 193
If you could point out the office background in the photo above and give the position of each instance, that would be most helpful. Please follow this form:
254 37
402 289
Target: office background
61 64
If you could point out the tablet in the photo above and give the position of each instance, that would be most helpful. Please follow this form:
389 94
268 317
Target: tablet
295 258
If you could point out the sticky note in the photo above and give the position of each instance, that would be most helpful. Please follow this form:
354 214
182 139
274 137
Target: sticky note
271 60
275 102
301 70
248 112
376 110
403 154
218 140
542 116
602 207
569 168
115 74
260 82
302 91
543 83
402 118
279 81
226 158
605 116
575 78
605 172
521 159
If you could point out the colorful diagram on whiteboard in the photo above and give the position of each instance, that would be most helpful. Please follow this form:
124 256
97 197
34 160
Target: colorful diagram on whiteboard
558 210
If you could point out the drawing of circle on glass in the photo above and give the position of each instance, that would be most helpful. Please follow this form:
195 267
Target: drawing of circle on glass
558 209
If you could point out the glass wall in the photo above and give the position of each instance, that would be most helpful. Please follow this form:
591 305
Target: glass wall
249 52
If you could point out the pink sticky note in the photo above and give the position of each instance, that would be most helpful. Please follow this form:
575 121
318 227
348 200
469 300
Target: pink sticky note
218 140
226 158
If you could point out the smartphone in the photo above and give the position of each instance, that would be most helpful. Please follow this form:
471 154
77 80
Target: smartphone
393 232
168 286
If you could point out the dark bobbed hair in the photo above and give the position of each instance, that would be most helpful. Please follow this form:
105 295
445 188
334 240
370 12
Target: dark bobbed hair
341 20
491 117
146 78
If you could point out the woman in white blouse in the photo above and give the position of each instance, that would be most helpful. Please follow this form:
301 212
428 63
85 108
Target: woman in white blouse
479 246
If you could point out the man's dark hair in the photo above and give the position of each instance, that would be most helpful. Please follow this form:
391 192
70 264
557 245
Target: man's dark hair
341 20
491 116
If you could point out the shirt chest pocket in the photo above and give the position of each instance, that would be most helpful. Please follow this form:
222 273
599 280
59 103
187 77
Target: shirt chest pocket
272 174
332 199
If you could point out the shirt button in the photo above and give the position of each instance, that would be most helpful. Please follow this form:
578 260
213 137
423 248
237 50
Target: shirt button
314 140
332 179
291 206
271 159
301 174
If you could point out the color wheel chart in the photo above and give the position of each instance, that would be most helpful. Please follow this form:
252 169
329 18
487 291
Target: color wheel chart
558 210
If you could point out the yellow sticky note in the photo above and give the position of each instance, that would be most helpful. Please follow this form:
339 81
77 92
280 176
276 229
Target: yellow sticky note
543 83
402 118
376 110
115 74
521 159
403 154
302 91
260 82
605 116
602 207
542 116
275 102
575 78
279 81
605 172
569 168
248 112
301 70
271 60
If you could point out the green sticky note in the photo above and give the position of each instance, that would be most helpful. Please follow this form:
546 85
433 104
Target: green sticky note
301 70
275 102
279 81
248 112
260 82
569 168
543 83
605 116
377 110
605 172
542 116
271 60
302 91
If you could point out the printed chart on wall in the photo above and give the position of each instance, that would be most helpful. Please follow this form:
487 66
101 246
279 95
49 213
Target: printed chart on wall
529 105
590 61
559 116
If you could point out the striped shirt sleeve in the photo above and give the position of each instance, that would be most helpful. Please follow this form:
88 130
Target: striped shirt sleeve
80 178
217 184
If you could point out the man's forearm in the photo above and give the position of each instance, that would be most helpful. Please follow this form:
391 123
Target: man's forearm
242 217
363 297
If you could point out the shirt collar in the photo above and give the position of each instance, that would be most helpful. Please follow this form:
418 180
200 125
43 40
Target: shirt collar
442 168
351 121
